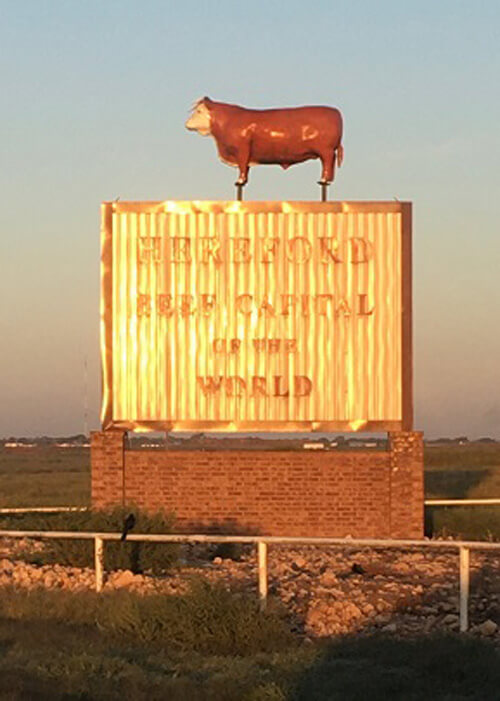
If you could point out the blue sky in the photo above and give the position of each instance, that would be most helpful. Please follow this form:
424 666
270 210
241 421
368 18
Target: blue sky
93 100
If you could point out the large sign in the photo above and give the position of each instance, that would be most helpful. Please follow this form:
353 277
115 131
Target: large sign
268 316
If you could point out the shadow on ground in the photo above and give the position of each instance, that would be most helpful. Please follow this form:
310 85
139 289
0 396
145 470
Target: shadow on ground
356 668
376 667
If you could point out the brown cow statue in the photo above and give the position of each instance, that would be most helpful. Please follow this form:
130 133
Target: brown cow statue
247 137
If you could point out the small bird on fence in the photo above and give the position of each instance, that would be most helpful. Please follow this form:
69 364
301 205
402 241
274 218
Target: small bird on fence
128 524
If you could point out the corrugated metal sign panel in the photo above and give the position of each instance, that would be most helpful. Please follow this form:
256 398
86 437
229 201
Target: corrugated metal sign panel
268 316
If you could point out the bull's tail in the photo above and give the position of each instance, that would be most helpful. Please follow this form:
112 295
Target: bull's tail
340 154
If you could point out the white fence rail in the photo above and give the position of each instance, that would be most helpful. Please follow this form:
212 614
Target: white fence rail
42 509
262 542
63 509
462 502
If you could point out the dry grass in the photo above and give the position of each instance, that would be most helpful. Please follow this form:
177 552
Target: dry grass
211 645
49 476
45 476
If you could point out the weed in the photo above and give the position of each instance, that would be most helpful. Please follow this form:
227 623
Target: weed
468 523
208 619
117 555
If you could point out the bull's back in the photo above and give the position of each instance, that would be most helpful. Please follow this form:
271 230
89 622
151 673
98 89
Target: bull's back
283 135
294 120
294 134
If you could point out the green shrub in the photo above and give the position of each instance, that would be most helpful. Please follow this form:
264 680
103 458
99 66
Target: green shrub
208 619
468 522
226 551
60 646
135 556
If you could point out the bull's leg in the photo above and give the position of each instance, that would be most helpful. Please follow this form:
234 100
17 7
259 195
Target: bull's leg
243 178
328 163
243 160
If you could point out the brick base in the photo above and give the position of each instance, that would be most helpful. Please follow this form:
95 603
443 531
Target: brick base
359 493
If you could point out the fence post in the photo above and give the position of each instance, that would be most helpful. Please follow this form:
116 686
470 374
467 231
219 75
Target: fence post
99 563
464 588
262 564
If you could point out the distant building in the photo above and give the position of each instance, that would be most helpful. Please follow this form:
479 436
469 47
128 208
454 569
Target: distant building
355 443
19 445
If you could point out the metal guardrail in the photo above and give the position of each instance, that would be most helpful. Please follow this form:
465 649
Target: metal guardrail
462 502
62 509
463 547
262 542
42 509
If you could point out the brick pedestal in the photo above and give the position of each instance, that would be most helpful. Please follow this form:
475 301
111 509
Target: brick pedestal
406 450
107 456
328 493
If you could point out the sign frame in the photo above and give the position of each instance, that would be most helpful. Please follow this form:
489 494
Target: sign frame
106 317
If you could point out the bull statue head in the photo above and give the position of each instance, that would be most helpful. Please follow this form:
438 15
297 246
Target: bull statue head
199 119
285 136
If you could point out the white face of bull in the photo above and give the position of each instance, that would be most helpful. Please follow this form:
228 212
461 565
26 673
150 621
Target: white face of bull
199 120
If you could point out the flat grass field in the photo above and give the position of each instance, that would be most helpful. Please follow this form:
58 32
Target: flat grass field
44 476
50 476
462 471
211 643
